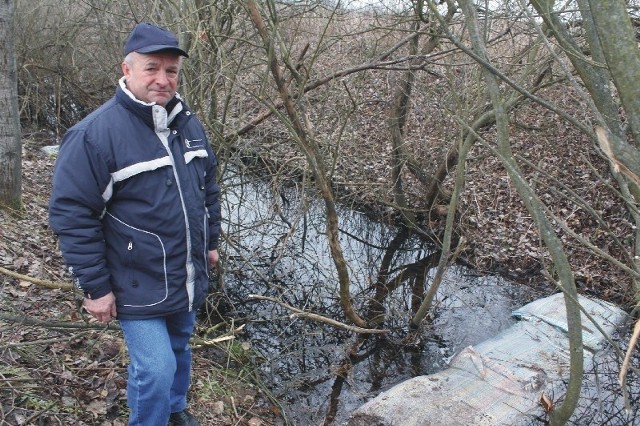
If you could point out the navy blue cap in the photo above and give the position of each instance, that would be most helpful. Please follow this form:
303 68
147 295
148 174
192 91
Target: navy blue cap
148 38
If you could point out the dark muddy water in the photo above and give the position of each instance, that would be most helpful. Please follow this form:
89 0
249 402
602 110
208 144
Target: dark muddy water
277 248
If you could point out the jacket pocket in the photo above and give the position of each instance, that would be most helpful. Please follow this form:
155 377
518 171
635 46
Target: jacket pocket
137 261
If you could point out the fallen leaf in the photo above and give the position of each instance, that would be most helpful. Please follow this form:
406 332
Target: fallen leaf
97 408
546 403
254 421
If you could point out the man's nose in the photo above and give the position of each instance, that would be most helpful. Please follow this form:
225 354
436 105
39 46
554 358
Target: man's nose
162 78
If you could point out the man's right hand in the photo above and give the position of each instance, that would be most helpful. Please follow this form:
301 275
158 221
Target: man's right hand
102 309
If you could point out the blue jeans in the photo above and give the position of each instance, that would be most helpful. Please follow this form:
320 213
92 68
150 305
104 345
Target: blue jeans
159 368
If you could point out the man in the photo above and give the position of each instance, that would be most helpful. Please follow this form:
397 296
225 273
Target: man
135 205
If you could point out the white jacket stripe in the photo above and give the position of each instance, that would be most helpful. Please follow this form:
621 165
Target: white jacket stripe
132 170
190 155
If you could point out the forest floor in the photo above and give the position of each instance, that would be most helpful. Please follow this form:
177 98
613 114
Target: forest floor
57 367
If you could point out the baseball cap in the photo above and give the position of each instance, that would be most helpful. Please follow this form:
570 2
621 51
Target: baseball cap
149 38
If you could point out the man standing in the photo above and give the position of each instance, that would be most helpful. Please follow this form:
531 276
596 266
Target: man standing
136 208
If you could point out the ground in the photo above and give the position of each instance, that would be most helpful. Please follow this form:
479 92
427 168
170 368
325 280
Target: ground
58 367
69 370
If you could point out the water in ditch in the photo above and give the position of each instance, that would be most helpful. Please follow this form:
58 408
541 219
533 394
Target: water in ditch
276 249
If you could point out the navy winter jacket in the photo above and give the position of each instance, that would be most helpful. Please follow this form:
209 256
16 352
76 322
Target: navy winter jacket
136 206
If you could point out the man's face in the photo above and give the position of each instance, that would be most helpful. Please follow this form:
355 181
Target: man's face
152 77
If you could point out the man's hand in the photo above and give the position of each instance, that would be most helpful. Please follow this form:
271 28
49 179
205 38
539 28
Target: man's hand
102 309
213 258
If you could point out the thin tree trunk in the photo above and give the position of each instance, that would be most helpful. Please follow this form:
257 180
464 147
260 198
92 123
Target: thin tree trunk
10 147
614 55
595 78
616 38
397 119
561 414
620 50
316 163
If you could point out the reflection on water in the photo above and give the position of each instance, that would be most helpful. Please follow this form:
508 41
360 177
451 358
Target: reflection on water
276 247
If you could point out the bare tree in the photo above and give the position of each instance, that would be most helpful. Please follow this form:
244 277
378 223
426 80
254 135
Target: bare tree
595 72
560 415
10 145
305 139
298 87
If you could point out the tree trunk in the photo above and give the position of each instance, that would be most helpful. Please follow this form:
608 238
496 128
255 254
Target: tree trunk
614 55
315 161
594 77
562 413
616 36
620 49
10 148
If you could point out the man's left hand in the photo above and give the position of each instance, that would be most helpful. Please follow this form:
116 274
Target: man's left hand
213 258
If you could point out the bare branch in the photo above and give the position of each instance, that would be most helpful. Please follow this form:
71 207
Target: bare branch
297 313
42 283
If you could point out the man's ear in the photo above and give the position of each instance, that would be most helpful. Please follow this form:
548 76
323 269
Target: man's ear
126 69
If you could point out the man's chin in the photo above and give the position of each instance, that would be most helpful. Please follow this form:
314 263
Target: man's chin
162 100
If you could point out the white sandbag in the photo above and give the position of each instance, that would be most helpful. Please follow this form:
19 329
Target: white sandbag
499 381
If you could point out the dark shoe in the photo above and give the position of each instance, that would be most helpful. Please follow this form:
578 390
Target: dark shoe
183 418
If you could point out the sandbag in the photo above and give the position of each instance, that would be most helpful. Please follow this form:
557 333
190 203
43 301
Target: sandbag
499 381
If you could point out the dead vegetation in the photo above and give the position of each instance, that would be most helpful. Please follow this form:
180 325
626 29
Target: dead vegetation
53 374
77 376
59 367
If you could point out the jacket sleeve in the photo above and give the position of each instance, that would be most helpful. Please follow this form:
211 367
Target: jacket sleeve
75 209
213 200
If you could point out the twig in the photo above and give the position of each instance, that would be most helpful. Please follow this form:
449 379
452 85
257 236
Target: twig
62 324
34 342
233 405
199 343
42 283
297 313
627 359
211 342
38 413
19 379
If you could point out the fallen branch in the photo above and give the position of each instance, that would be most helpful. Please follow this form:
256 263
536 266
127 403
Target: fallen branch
35 342
53 324
196 342
199 343
297 313
42 283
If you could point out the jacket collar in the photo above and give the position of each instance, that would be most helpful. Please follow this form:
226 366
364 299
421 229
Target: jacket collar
143 109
